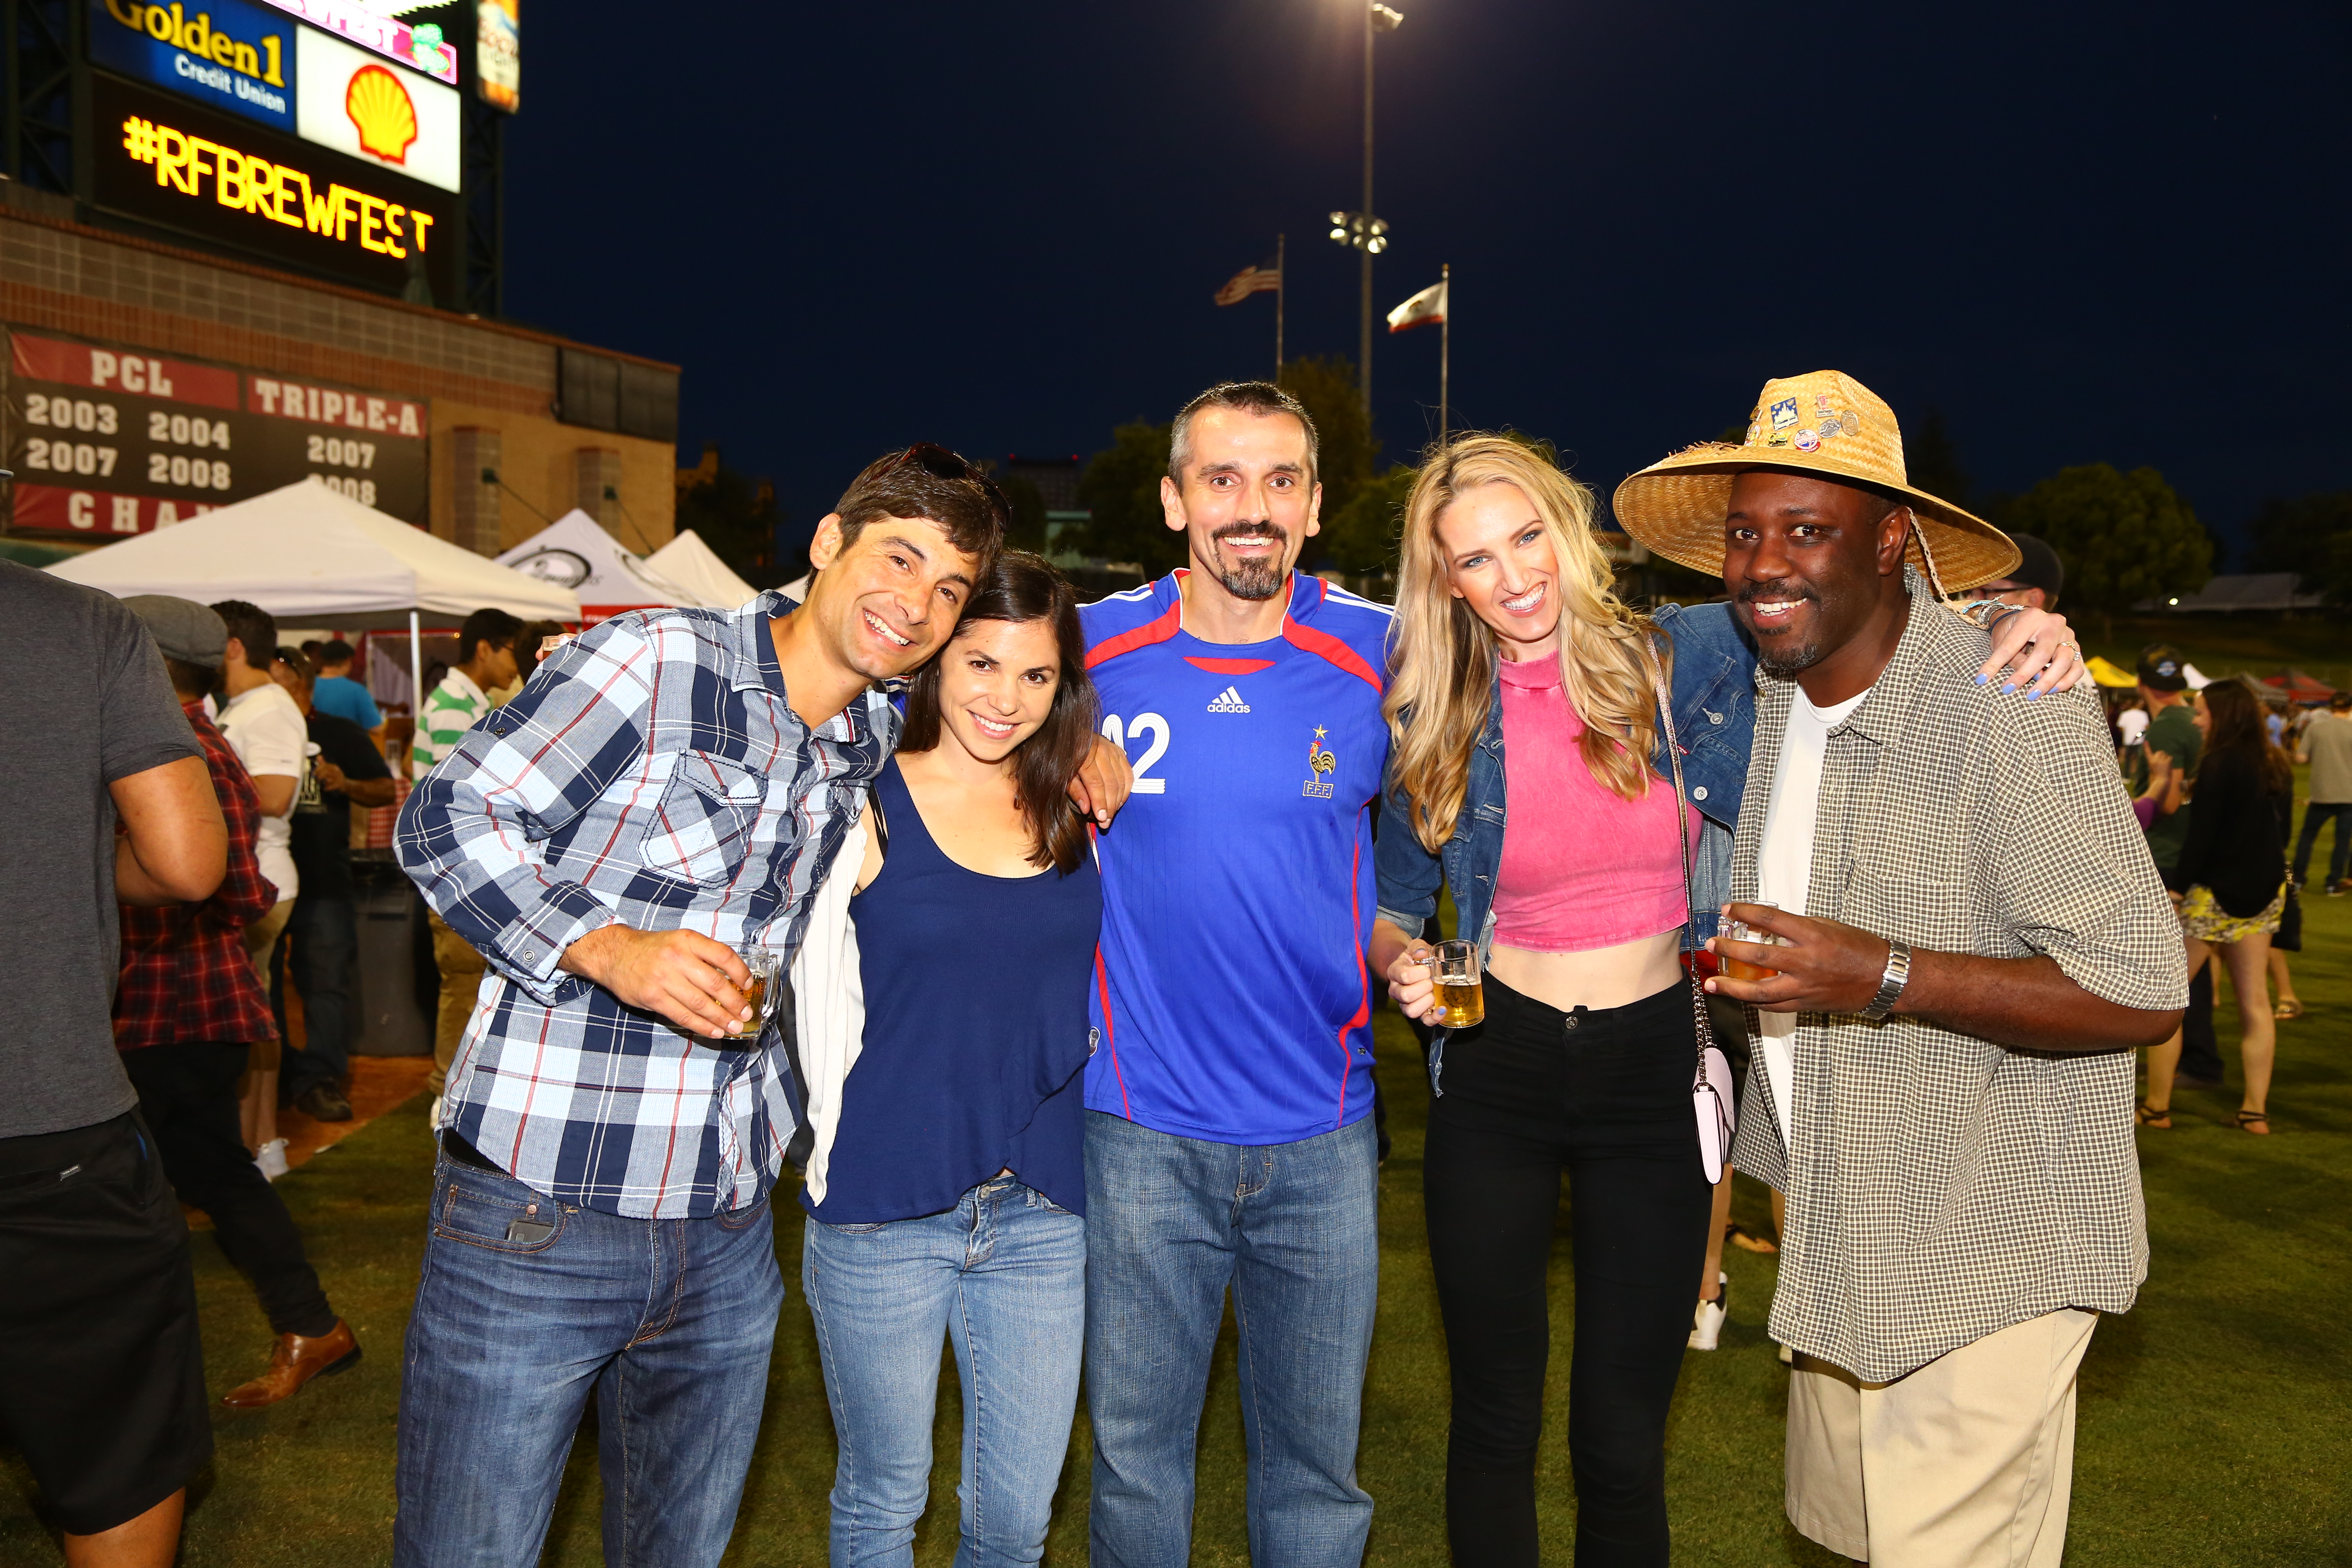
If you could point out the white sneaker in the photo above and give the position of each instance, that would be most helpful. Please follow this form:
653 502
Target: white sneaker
432 1117
1707 1323
272 1158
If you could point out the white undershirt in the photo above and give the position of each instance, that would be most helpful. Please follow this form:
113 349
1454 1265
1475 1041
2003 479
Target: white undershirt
1784 865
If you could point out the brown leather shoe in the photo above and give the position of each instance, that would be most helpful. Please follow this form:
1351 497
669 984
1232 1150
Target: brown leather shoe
293 1362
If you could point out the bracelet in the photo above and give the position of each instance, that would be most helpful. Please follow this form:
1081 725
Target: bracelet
1891 984
1983 612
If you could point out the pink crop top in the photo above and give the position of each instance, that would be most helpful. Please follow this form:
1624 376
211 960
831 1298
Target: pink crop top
1584 868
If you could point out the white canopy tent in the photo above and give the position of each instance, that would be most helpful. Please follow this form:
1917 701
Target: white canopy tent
694 566
576 553
312 556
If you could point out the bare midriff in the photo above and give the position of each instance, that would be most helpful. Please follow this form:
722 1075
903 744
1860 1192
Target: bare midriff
1597 978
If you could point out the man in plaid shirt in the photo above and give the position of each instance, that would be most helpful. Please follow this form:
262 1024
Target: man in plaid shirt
188 1007
1971 940
670 784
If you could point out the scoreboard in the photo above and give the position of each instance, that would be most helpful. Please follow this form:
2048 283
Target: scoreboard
109 441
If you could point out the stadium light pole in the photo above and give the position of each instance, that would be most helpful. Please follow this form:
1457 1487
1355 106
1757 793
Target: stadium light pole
1360 229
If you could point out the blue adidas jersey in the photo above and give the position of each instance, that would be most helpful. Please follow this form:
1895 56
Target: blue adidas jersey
1233 987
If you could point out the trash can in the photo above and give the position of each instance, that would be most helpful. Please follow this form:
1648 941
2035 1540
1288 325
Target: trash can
399 988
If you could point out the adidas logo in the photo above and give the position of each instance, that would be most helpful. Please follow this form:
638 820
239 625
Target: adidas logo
1229 701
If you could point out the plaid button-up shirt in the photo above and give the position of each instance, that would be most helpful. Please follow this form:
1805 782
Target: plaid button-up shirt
651 773
186 980
1941 1187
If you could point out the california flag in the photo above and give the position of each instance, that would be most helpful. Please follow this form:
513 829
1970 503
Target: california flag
1423 308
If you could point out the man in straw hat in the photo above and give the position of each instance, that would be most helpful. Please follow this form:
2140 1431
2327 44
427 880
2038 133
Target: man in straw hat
1945 1086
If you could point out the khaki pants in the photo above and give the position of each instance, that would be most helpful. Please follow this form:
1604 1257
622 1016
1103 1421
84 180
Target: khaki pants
256 1091
1967 1463
461 983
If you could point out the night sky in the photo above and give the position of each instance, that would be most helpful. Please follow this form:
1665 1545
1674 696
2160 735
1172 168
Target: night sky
2095 232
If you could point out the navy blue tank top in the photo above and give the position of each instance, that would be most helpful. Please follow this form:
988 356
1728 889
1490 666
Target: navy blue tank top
976 1030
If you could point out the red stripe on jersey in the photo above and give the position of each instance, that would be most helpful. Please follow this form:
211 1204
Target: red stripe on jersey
1324 645
1110 1039
1364 973
1230 665
1144 635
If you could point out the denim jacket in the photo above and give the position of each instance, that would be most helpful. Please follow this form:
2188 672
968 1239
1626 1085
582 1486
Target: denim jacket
1714 720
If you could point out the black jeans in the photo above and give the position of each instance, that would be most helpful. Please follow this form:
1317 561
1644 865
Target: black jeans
2317 815
322 956
1605 1097
187 1094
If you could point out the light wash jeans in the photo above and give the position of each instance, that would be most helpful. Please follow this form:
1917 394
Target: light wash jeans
669 1322
1294 1229
1003 1274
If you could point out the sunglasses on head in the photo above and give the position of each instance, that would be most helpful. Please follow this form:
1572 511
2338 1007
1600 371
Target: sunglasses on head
941 464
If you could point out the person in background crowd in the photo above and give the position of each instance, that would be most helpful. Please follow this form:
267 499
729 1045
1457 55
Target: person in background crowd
335 692
2234 886
1959 1073
487 661
951 1196
265 730
111 804
2172 729
673 784
531 643
2034 582
321 952
1229 1135
185 1011
2327 745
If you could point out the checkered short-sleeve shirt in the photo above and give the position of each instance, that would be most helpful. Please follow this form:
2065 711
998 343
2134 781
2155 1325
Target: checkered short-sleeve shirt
1941 1187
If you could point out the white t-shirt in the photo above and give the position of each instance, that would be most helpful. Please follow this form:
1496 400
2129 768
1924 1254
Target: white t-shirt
265 730
1784 865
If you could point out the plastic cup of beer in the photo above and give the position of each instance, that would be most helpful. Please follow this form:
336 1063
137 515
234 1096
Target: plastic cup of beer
767 967
1740 931
1461 992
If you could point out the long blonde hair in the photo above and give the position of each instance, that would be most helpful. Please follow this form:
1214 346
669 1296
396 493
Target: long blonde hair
1443 675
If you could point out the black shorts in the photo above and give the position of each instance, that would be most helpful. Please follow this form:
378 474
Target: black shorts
102 1372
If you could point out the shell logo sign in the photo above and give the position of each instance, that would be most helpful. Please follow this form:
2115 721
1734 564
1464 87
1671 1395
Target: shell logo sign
349 99
382 112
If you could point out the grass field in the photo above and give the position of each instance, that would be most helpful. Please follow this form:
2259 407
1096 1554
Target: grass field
2215 1422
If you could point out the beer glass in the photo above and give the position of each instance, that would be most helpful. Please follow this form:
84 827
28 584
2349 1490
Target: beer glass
1740 931
1454 966
767 967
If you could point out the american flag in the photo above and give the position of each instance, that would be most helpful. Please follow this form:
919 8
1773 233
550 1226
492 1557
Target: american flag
1249 280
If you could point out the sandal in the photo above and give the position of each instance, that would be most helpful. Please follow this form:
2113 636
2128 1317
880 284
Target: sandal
1745 1242
2246 1120
2288 1007
2157 1116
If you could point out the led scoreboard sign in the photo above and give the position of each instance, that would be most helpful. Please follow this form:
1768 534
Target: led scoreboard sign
109 441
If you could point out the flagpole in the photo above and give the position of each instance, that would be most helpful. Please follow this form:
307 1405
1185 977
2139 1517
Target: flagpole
1281 281
1445 346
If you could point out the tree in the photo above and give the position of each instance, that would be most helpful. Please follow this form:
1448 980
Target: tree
1027 528
1347 452
2123 537
738 517
2301 535
1361 538
1121 487
1933 464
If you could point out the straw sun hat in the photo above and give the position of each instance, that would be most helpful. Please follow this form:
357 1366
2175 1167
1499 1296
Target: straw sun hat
1826 424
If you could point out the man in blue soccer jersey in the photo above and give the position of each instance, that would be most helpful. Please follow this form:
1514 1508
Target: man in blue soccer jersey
1229 1139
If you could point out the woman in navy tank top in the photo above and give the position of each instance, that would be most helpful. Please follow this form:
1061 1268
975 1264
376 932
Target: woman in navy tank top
956 1184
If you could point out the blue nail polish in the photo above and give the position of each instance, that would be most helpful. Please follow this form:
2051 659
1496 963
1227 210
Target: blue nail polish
1983 679
2008 689
2034 697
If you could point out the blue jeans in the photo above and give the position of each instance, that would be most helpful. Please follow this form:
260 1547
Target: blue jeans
2317 815
322 960
1294 1229
669 1322
1003 1274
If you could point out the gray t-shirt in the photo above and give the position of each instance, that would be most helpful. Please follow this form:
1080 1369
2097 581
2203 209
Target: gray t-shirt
83 702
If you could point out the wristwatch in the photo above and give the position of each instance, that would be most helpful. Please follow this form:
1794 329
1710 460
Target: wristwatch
1891 984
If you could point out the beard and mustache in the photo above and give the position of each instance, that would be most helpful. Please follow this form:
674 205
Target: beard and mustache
1258 578
1784 658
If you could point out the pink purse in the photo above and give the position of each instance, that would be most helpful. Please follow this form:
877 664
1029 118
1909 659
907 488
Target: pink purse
1711 1087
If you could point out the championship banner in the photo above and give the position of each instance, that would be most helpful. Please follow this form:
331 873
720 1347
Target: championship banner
109 441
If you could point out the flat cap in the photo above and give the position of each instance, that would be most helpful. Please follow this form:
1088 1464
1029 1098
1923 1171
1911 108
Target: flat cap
183 629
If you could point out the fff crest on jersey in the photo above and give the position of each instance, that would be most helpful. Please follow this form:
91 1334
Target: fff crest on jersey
1321 765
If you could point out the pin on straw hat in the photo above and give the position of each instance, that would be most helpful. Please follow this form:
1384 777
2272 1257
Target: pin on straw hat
1825 424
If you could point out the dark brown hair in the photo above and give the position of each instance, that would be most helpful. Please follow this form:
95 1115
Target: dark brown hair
1018 588
1258 397
2234 727
930 482
254 626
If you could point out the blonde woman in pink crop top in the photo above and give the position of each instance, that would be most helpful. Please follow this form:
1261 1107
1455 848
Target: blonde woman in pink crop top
1583 1065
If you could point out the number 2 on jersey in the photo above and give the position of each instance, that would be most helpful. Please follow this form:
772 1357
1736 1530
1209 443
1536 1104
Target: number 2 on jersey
1116 731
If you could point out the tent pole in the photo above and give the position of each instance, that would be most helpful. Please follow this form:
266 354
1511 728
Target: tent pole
416 674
